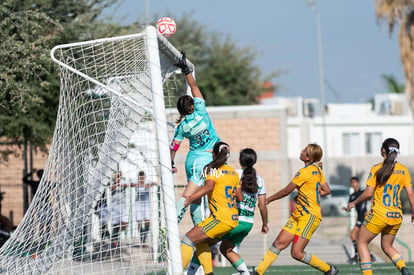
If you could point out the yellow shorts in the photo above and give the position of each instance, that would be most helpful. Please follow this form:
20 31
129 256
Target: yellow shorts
376 225
303 226
214 228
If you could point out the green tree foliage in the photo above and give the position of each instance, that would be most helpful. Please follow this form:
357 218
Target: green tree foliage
393 86
226 73
29 82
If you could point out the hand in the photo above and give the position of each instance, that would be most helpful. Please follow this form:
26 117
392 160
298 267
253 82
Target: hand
265 229
173 168
350 206
187 201
182 64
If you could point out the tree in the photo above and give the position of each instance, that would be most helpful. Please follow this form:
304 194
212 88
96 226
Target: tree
29 83
226 73
401 11
393 86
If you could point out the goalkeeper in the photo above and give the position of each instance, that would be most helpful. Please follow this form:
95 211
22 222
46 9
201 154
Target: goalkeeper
195 125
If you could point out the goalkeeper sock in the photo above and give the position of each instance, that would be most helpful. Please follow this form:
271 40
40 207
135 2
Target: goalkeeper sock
187 249
181 209
194 265
241 267
268 259
398 261
315 262
195 211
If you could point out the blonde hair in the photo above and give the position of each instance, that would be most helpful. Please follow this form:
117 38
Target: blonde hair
314 152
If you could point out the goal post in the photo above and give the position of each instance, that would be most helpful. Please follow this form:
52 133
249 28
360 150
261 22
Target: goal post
91 214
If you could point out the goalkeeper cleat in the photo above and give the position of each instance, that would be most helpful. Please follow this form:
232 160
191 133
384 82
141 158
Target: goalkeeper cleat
405 271
332 271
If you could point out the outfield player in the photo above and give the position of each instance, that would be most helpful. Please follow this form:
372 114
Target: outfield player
361 210
253 188
196 126
305 219
142 205
222 186
385 182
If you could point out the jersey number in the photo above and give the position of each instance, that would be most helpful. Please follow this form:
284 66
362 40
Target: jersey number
249 201
200 137
230 196
391 195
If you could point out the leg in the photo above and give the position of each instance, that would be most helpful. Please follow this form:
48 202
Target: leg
364 238
354 237
387 241
282 241
226 248
298 253
146 231
193 237
190 189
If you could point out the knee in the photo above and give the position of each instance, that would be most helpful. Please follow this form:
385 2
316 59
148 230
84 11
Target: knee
280 244
297 255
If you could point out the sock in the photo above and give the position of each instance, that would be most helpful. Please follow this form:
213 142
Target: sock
194 265
241 267
204 256
268 259
195 211
315 262
181 209
354 243
398 261
187 249
366 268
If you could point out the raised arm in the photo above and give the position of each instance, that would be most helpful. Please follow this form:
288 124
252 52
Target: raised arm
282 193
366 195
182 63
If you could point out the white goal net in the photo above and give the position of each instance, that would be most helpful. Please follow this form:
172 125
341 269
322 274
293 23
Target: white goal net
92 214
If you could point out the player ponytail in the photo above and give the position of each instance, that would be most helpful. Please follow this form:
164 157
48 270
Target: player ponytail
247 159
185 106
221 152
315 153
390 149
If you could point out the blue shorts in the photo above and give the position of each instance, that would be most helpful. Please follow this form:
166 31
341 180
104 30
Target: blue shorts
194 166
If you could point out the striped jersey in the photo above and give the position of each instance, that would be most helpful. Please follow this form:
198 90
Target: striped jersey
387 202
247 206
308 181
198 128
222 199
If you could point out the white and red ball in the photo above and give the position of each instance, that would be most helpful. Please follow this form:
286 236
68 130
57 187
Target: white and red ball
166 26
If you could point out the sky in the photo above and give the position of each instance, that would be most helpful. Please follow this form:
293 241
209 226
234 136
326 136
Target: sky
356 49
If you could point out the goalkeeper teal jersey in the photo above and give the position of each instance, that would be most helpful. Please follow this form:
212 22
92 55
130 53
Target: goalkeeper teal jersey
198 128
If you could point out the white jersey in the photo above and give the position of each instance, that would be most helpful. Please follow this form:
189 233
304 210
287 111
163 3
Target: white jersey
142 192
247 206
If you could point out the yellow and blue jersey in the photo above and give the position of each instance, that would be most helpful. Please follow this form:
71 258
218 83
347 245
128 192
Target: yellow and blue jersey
198 128
308 181
387 202
222 199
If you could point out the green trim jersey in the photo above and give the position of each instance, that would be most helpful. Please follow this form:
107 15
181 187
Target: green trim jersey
247 206
198 128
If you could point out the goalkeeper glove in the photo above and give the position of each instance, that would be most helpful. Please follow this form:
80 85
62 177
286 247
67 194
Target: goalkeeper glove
173 168
182 64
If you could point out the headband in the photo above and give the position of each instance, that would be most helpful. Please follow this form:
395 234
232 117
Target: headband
222 146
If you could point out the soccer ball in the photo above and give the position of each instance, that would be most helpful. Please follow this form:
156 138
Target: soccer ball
166 26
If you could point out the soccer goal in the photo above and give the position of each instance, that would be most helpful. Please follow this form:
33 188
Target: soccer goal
92 214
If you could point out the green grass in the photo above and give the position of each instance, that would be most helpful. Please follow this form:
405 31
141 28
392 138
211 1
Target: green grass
383 269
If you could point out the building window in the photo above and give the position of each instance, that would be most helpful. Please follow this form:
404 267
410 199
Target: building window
372 143
351 144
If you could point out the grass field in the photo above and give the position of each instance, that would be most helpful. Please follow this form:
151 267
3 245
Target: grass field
383 269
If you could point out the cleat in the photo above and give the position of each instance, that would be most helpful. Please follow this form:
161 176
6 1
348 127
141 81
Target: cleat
254 272
405 271
353 260
373 259
332 271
